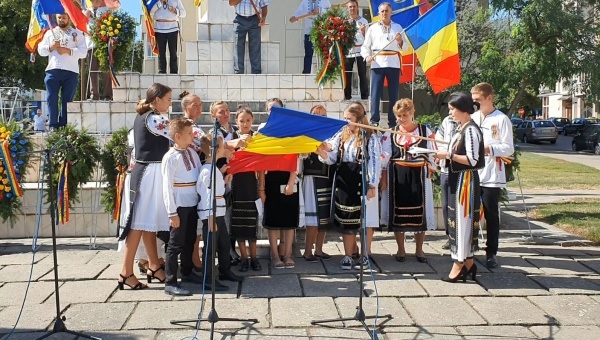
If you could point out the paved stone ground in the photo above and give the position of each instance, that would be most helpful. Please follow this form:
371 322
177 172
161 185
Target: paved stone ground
546 287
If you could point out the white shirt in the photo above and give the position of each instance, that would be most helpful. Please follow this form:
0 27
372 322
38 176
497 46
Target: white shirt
359 38
39 123
180 170
447 129
92 22
203 188
307 6
245 8
166 21
73 39
498 135
377 38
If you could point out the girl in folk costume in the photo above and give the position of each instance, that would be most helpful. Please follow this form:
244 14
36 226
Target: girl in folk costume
148 214
410 193
465 156
345 149
316 187
244 193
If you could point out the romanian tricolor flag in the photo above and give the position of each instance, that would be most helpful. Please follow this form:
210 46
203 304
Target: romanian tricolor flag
396 5
277 145
149 22
75 13
39 23
435 39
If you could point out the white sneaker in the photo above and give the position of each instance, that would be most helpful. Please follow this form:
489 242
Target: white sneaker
365 263
347 263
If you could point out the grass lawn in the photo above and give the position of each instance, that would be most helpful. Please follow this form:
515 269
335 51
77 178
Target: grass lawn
580 217
539 172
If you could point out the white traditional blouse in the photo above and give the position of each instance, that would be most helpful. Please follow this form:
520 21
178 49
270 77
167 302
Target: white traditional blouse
180 170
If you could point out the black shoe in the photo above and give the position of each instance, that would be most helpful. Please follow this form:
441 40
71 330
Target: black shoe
255 264
446 245
177 291
234 261
219 287
462 275
375 124
491 261
192 278
230 277
245 265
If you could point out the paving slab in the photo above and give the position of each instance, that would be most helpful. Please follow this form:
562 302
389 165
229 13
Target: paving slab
387 306
21 258
107 257
567 284
113 270
339 333
196 290
68 271
558 251
301 267
510 284
79 257
592 251
509 311
36 335
594 279
333 266
126 335
188 334
13 293
593 264
559 266
271 286
86 291
299 312
34 317
398 285
516 249
495 332
434 286
569 310
271 334
421 333
264 270
388 264
511 264
155 292
449 311
20 272
331 285
566 332
410 248
98 316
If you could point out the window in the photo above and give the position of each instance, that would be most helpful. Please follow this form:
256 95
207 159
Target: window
543 123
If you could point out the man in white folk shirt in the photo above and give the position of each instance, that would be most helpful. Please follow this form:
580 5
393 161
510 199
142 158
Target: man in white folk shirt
166 14
383 39
498 142
307 10
97 10
64 45
354 54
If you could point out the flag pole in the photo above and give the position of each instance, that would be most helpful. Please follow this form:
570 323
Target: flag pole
396 132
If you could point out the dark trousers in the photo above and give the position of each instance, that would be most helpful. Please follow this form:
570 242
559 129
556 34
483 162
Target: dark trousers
63 82
361 64
490 198
377 77
223 247
242 27
94 66
181 242
308 54
445 193
162 40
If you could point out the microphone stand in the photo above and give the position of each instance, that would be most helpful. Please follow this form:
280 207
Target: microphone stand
59 325
360 313
213 316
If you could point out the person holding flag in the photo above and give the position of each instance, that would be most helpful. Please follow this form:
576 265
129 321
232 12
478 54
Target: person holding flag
166 14
354 54
382 49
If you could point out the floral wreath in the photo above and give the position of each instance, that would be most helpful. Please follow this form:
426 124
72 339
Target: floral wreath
333 34
113 34
14 143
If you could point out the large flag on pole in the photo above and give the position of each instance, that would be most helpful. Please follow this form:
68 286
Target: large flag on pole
39 23
149 22
435 39
286 134
396 5
77 17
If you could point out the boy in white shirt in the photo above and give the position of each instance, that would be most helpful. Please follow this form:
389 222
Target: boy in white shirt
180 168
218 228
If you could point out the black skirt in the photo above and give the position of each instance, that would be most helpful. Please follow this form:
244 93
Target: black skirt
347 198
281 211
244 216
407 199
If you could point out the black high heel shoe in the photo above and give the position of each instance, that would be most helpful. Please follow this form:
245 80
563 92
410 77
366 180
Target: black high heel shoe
142 267
153 275
472 271
462 275
122 284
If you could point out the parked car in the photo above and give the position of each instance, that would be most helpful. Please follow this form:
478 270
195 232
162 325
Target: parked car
588 139
560 123
578 125
516 121
533 131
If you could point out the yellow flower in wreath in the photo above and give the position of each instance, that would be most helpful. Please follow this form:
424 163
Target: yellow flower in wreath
111 34
102 26
103 33
116 31
118 25
5 181
3 129
7 188
110 18
110 28
1 187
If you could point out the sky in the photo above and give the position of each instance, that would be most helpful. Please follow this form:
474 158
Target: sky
134 8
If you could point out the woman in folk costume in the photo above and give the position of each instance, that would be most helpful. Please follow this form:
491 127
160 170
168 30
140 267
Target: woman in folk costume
465 156
316 184
148 214
345 149
410 193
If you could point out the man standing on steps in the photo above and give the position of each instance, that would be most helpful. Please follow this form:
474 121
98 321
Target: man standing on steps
64 46
250 16
307 10
354 54
166 14
498 142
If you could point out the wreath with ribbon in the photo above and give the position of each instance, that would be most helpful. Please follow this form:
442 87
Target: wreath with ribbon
333 34
14 145
113 34
114 164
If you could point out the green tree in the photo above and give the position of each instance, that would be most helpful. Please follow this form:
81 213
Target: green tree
15 67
